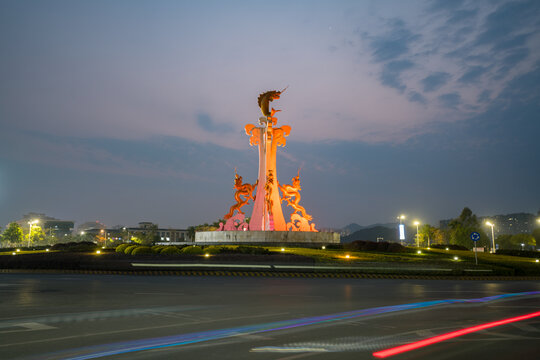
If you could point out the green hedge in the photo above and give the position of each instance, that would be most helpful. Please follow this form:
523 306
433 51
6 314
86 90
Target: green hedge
214 249
383 246
142 250
522 253
121 248
82 246
156 249
192 250
129 249
253 250
170 250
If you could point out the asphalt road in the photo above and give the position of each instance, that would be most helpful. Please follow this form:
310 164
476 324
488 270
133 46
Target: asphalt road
174 317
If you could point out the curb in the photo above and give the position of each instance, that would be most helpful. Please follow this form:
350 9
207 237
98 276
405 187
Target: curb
278 274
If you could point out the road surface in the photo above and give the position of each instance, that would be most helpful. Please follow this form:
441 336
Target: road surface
45 316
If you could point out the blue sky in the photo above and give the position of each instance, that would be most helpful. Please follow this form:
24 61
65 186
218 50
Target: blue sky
127 111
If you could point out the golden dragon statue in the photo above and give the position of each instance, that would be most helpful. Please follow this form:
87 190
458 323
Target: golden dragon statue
268 188
245 190
293 191
264 100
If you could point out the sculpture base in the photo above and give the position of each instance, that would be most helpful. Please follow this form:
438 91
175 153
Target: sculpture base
275 238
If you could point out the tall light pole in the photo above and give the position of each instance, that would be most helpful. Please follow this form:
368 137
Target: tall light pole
492 236
417 239
35 221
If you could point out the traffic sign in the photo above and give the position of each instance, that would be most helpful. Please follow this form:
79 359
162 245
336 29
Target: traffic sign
475 236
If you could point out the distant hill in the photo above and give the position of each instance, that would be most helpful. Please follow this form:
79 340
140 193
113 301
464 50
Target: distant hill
351 228
371 234
354 227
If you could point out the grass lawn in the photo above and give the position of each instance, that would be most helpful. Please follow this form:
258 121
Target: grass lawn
400 262
502 264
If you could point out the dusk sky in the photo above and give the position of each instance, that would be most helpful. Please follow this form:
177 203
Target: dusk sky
128 111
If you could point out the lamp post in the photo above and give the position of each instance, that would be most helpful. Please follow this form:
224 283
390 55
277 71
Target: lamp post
417 239
35 221
127 231
492 236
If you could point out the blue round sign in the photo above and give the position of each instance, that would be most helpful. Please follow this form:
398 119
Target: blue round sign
475 236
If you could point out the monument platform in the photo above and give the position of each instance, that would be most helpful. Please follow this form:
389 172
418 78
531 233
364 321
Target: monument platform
274 238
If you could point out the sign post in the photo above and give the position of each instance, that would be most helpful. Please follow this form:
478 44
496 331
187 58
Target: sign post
475 237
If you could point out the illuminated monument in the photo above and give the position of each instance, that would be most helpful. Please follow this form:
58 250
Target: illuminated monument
267 223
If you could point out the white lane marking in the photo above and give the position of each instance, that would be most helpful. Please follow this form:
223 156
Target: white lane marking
425 333
158 293
148 328
525 327
29 326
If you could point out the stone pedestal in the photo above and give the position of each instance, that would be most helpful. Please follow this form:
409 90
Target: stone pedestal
266 237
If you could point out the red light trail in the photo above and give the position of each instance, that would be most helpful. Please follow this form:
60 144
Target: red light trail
450 335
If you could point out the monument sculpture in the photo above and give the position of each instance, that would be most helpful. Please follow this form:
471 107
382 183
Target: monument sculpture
267 222
267 212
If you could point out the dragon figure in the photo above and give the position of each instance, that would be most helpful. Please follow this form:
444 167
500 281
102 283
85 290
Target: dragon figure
245 190
268 188
264 103
298 223
293 191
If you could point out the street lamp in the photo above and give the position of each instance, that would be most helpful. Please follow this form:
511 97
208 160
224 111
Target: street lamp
492 236
35 221
417 239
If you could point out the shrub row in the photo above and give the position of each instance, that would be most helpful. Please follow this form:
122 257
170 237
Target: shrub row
131 249
523 253
383 246
451 247
73 246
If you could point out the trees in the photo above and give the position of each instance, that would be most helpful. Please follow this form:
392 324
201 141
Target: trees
204 227
513 242
13 234
430 235
37 235
462 227
148 236
527 240
536 235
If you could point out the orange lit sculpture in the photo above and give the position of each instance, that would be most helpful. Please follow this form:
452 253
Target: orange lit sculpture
267 213
245 190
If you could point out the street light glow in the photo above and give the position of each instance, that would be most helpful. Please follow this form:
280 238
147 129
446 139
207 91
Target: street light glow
488 223
416 222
